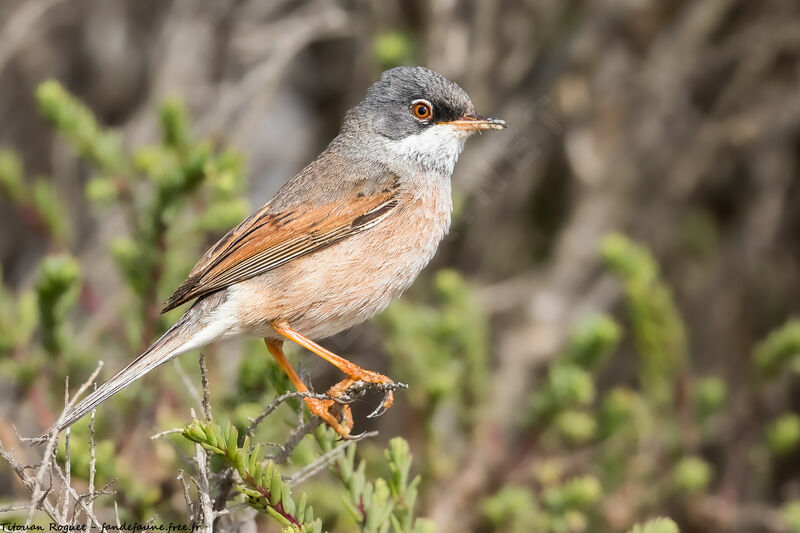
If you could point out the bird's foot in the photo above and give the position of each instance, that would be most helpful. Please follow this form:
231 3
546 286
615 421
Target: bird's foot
330 412
335 410
347 390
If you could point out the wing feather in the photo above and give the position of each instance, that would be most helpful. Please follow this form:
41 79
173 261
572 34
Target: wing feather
267 240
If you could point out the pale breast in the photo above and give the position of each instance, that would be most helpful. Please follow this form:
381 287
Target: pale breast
349 282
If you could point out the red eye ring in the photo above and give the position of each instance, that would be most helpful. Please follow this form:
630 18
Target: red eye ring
422 110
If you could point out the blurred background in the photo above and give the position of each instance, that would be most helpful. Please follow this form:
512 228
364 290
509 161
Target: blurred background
606 335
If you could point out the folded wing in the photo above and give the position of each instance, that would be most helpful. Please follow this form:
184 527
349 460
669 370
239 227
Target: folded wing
266 240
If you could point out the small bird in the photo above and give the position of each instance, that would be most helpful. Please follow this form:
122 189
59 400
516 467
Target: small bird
335 245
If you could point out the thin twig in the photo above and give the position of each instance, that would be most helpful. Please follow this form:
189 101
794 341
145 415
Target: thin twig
67 458
29 482
294 439
23 26
51 442
13 507
224 485
116 514
189 504
274 404
79 498
203 488
92 467
325 459
165 433
206 404
84 500
188 383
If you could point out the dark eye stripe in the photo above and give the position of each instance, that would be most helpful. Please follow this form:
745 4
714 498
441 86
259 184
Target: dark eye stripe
445 113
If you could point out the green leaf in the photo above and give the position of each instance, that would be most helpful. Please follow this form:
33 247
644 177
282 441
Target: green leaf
692 475
56 290
783 434
78 125
791 515
11 176
657 525
593 340
393 48
780 351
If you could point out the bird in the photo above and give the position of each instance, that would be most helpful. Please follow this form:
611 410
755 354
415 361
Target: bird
334 246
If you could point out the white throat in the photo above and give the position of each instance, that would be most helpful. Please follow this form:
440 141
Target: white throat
436 149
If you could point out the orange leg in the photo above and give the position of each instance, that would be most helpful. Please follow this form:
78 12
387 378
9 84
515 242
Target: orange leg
321 408
353 371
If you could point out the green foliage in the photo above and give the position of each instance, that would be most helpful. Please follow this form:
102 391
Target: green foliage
385 503
559 507
576 427
56 292
377 506
442 349
780 351
791 515
151 186
18 318
567 386
657 525
575 494
710 396
37 202
692 474
570 385
513 509
592 341
393 48
783 434
262 485
657 326
11 179
79 126
148 192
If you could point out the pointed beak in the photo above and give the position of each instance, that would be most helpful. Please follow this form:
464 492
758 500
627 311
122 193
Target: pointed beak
476 123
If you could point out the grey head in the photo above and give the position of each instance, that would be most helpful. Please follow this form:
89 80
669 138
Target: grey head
416 117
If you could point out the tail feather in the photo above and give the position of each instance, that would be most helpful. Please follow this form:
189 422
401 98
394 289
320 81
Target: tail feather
164 349
205 322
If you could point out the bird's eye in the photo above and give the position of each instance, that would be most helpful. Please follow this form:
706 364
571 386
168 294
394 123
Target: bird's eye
421 109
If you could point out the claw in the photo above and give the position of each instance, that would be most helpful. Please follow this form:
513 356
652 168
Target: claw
343 399
386 403
378 411
353 437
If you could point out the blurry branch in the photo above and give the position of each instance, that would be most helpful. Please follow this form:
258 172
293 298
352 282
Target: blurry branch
25 25
282 40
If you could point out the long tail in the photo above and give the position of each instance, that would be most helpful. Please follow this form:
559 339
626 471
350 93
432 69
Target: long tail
194 330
